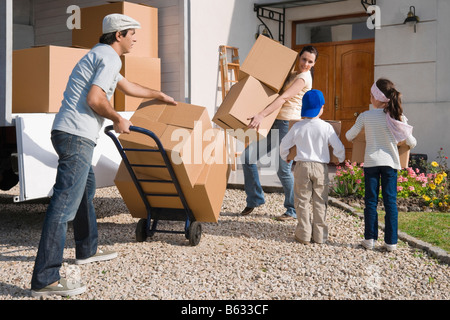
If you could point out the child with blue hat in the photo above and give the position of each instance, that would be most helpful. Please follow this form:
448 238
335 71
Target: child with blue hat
311 136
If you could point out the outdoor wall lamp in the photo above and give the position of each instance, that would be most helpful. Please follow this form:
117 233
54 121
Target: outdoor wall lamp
412 18
265 31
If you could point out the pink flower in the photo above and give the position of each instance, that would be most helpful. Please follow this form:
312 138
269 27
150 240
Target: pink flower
399 188
411 188
358 181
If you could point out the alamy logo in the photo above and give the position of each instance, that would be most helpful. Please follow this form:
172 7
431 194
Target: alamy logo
74 21
374 20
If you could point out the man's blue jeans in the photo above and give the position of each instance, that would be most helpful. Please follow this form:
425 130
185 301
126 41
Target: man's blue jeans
252 184
72 200
388 177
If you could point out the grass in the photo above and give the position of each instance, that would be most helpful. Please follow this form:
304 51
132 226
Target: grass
431 227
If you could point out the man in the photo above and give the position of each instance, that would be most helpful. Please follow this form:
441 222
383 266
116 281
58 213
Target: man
74 135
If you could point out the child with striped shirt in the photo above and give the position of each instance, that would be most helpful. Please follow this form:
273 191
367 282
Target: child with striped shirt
385 126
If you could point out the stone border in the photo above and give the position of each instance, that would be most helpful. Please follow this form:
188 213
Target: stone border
435 252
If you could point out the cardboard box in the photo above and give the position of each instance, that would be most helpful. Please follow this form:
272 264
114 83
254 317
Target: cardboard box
144 71
270 62
40 76
91 26
204 198
336 126
359 147
180 130
244 100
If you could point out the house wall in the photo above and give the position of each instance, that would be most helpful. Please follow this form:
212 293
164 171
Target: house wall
214 23
419 66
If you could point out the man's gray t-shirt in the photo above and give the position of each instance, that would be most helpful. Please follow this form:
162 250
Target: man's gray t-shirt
101 67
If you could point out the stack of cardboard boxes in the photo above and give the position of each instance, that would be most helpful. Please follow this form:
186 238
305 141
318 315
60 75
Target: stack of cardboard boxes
261 77
197 154
142 64
42 72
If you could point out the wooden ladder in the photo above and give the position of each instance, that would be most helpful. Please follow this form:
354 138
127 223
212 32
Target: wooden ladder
229 70
229 74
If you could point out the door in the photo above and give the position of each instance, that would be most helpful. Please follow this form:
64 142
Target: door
344 72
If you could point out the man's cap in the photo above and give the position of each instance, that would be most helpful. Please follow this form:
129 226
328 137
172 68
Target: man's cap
118 22
312 102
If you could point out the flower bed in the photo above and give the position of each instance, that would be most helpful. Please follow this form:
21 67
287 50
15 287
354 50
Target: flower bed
416 190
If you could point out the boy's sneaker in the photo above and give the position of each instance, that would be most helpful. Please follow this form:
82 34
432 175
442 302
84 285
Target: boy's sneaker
99 256
368 244
300 240
390 247
284 217
63 288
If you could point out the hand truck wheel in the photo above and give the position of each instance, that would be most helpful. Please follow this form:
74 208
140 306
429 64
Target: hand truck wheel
195 233
141 230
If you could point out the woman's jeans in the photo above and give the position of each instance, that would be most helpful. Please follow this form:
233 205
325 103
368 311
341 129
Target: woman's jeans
72 200
252 185
388 177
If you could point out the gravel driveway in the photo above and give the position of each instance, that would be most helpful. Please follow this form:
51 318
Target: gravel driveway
253 257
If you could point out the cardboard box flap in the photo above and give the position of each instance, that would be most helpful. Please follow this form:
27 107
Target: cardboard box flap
150 109
136 138
183 115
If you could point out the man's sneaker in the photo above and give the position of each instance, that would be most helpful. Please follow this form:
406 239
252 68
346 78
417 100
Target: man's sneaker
390 247
367 243
99 256
63 288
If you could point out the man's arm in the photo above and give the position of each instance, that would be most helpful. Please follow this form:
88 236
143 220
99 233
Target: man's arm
136 90
97 100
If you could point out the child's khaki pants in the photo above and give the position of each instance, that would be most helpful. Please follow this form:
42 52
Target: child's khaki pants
311 182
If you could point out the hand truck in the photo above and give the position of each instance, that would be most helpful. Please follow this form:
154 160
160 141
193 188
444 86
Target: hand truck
145 228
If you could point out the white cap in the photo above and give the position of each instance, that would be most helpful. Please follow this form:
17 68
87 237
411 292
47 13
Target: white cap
118 22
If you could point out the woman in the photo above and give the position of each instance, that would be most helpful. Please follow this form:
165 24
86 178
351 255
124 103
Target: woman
290 102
